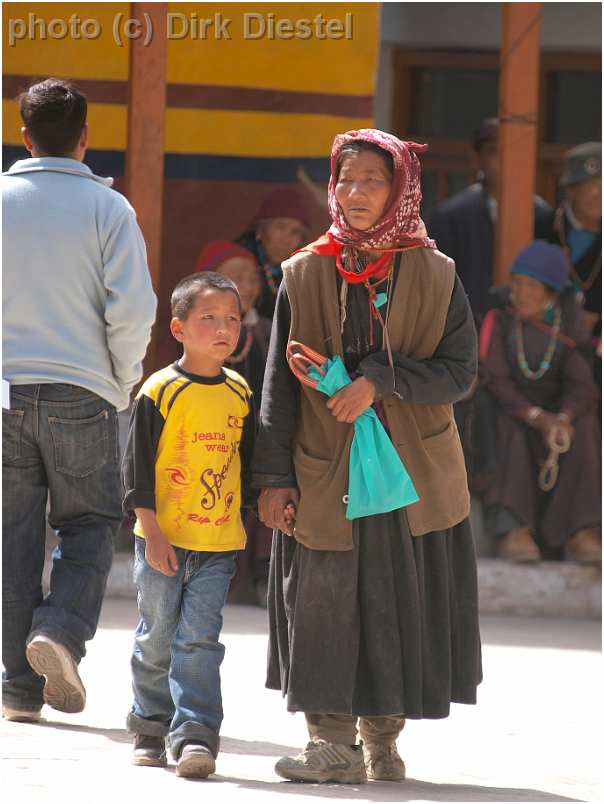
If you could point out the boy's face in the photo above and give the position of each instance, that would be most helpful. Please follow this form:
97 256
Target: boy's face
211 330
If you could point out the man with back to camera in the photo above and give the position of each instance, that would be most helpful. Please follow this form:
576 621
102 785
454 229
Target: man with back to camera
78 308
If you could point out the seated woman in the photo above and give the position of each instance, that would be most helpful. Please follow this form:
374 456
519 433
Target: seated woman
278 229
249 359
542 384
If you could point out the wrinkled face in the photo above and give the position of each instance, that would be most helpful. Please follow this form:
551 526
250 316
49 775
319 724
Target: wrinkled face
586 200
211 330
244 273
281 237
363 189
529 296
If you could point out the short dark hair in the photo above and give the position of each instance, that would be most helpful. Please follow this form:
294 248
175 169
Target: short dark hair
356 147
187 290
54 114
486 132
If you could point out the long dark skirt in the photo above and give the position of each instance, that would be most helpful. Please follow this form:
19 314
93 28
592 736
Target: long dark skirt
389 627
574 503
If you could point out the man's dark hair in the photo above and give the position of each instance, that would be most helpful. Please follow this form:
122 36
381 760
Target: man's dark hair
54 113
356 147
187 290
486 132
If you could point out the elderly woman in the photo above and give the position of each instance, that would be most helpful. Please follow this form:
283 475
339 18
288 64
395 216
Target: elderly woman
372 620
277 230
546 398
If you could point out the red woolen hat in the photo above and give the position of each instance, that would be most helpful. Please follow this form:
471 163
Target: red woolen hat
215 253
283 203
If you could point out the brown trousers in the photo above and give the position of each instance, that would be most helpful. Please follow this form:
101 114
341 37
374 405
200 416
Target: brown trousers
343 728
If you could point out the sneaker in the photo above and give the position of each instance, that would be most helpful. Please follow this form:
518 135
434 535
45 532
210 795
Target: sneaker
63 689
20 715
518 545
196 761
324 762
149 751
383 762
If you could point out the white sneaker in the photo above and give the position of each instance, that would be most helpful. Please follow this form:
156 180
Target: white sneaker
63 689
20 715
324 762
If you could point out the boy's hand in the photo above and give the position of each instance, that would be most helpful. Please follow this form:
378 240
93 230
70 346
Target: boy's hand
160 555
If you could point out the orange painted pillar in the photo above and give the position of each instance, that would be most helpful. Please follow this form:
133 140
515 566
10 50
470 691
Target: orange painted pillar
518 108
146 125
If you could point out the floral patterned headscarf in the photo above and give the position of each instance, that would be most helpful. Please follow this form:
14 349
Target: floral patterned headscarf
400 224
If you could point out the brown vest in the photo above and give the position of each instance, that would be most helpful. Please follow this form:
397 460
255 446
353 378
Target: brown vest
425 436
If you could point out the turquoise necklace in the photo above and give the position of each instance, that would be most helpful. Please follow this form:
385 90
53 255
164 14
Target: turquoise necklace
549 352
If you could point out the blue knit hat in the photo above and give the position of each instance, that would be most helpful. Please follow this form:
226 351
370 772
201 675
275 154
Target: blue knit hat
544 262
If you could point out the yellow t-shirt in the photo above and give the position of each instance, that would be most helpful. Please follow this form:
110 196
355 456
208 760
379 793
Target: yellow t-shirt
183 456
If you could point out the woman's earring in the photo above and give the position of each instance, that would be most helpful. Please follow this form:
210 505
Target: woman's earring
548 312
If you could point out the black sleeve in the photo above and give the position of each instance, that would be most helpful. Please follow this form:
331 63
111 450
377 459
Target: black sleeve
138 463
246 451
273 461
443 379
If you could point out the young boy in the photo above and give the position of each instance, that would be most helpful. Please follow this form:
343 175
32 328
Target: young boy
191 433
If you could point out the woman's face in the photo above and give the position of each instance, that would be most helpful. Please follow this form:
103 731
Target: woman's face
530 297
244 273
586 200
281 237
363 188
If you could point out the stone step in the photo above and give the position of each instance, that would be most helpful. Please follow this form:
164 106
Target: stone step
550 588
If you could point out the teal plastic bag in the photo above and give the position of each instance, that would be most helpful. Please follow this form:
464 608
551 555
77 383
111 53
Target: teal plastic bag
377 479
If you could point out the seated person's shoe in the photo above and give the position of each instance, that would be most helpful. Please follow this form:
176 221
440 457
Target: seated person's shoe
324 762
63 689
20 715
196 761
518 545
149 751
383 762
585 547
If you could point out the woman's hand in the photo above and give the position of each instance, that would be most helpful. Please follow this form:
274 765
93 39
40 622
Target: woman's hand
352 400
277 508
547 423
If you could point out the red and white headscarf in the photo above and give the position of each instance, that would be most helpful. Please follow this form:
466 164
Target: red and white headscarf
400 224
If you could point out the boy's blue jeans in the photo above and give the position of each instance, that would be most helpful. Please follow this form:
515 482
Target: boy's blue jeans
59 440
177 656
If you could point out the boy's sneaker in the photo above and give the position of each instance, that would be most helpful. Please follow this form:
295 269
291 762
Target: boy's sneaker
324 762
20 715
63 689
383 762
149 751
195 761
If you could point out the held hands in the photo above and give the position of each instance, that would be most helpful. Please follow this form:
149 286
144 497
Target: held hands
277 508
548 422
349 402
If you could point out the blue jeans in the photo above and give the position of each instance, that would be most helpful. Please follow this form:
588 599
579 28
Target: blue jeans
60 440
177 656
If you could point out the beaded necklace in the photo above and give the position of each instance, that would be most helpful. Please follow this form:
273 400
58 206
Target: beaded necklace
549 352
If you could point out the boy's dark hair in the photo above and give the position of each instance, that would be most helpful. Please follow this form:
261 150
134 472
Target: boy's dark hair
54 113
187 290
358 146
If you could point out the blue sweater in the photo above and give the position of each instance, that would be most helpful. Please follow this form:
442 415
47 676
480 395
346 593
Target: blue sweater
78 304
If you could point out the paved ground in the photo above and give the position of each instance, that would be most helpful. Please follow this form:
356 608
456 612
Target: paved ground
534 736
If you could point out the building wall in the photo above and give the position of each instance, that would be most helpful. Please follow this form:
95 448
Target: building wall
575 27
